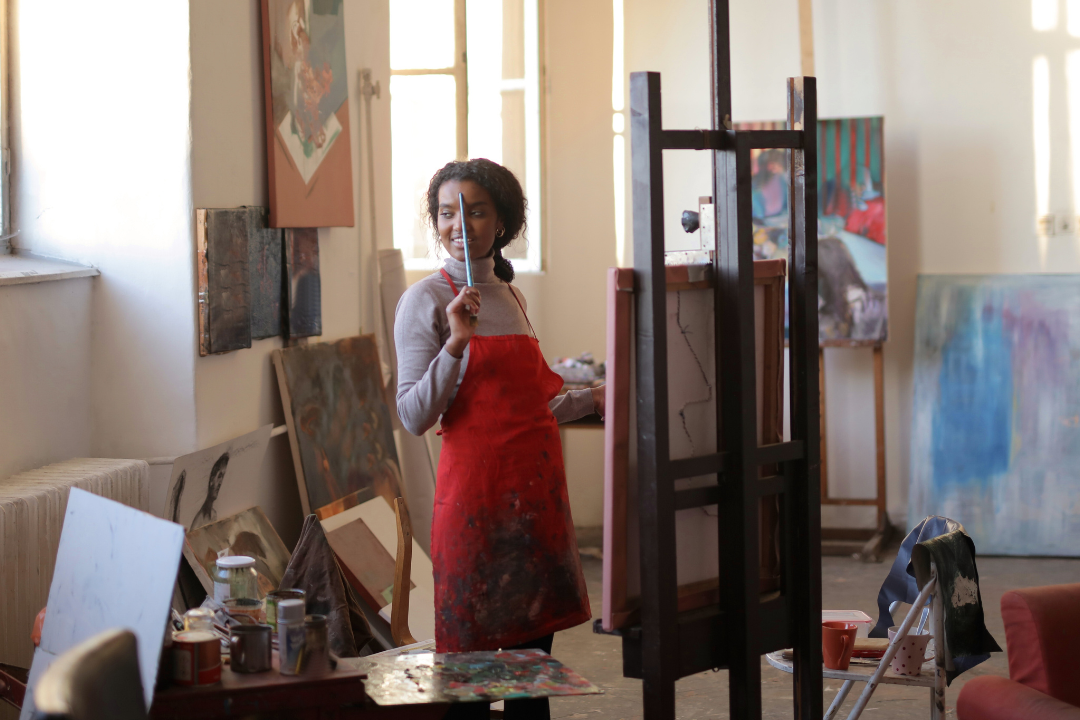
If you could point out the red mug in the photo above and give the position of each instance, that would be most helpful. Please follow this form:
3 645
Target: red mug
837 642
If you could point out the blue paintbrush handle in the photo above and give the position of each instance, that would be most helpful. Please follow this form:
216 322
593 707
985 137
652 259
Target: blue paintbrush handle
465 242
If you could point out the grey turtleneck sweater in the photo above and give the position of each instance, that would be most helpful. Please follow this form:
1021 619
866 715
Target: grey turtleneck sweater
429 376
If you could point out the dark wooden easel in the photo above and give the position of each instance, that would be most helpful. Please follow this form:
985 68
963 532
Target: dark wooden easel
744 624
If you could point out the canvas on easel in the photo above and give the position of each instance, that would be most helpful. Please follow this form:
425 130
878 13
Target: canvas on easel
853 272
693 391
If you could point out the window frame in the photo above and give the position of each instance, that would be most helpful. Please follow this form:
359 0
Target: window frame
532 84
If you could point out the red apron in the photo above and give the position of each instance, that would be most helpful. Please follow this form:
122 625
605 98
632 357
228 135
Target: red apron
502 542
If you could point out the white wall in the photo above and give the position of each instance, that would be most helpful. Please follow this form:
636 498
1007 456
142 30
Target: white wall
45 378
100 174
579 236
237 392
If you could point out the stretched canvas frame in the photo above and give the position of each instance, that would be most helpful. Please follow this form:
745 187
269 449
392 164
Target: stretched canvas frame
698 575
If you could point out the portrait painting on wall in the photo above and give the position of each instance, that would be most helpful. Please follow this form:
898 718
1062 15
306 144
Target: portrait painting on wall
852 268
996 420
339 424
216 482
245 533
307 113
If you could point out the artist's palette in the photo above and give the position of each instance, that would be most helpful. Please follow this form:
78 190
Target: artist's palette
470 677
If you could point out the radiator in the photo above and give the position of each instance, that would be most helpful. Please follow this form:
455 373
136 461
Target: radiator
32 506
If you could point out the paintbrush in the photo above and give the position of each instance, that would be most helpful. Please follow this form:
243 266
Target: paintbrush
473 319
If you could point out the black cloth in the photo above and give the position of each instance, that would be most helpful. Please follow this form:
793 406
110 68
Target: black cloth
966 636
900 585
313 568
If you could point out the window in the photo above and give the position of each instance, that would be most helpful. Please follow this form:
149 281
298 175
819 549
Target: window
5 156
465 82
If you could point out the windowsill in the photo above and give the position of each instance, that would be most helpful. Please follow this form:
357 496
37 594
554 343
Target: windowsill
24 269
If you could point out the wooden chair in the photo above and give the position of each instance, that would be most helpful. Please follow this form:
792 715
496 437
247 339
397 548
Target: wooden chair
399 613
96 680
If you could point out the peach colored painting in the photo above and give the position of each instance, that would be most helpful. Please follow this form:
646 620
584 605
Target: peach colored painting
307 113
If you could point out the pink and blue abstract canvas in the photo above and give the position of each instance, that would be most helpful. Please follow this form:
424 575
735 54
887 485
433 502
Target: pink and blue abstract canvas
996 417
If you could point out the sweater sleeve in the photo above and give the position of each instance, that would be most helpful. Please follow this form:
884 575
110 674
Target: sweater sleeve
427 373
572 405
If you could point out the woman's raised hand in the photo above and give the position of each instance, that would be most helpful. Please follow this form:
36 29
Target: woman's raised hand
458 312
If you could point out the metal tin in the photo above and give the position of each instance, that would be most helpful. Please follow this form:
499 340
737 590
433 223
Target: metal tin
250 648
275 597
316 657
196 656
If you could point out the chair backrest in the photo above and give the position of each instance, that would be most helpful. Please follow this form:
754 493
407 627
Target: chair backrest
95 680
1042 634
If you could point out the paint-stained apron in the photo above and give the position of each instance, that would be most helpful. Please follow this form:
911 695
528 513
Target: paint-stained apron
502 540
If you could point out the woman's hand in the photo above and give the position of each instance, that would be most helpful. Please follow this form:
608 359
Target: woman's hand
599 399
458 312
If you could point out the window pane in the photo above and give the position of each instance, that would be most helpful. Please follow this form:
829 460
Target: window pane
422 124
484 21
513 150
421 34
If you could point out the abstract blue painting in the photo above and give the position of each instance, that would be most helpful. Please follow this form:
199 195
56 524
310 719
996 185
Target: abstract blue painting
996 417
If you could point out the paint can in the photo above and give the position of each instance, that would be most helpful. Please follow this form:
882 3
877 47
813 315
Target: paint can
196 656
250 648
275 597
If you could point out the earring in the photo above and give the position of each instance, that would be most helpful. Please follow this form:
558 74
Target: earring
500 232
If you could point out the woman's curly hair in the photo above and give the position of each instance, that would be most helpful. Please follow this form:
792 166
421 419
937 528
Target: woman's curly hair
505 191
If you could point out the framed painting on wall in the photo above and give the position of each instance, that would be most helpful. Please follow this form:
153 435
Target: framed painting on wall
308 154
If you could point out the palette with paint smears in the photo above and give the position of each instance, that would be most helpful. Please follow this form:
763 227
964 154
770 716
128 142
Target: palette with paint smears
470 677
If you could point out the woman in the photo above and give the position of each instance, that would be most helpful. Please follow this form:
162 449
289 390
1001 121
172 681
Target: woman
507 573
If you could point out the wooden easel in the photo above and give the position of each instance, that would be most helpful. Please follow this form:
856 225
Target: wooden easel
744 623
868 543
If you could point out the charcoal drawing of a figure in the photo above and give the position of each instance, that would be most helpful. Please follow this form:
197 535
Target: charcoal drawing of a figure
173 513
208 513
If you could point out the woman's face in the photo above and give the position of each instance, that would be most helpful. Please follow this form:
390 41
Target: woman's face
481 219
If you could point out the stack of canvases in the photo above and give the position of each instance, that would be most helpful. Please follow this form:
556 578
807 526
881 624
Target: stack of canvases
32 507
346 461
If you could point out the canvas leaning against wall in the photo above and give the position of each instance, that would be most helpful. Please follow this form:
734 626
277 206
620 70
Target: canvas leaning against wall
996 418
307 113
851 224
212 484
340 430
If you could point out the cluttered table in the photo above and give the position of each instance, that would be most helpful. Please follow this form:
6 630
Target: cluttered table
416 686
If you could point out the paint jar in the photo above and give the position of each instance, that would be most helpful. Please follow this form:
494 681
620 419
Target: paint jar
275 597
316 657
245 610
290 624
235 577
199 619
196 657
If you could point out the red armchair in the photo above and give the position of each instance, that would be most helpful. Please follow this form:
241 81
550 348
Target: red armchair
1042 632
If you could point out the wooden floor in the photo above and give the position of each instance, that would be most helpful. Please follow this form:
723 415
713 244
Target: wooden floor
599 657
